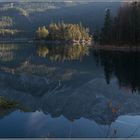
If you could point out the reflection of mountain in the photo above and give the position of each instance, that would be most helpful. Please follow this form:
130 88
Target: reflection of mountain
63 52
92 99
73 89
124 65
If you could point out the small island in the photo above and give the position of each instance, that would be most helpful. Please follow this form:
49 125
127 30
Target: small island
62 32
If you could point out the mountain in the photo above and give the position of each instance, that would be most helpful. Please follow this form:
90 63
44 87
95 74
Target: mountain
28 16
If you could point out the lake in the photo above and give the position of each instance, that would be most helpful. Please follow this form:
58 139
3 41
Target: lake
68 91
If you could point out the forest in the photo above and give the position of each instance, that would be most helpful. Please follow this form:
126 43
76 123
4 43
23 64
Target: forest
124 28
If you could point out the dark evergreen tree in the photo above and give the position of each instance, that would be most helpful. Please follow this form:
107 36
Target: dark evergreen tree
107 28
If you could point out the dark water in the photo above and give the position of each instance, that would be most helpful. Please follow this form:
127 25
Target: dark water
68 91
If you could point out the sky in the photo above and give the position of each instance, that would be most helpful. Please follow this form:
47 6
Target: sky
66 0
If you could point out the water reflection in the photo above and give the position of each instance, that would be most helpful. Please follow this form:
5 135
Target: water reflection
62 53
6 53
123 65
51 82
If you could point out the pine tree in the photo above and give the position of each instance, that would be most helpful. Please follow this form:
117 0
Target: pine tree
107 28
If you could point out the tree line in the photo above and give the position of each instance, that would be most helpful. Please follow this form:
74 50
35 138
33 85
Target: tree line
64 32
123 28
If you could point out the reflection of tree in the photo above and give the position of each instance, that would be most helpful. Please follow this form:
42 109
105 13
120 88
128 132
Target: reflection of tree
8 47
13 55
7 106
6 52
63 53
124 65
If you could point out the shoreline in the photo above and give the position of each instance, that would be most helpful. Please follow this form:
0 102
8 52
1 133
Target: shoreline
43 41
124 48
116 48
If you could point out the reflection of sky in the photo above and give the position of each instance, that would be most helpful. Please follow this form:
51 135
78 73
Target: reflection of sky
41 125
59 127
127 126
38 124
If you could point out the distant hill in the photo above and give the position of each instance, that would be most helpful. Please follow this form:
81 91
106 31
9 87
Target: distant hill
28 16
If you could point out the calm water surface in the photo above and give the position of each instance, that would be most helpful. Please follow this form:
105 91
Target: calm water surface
68 91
